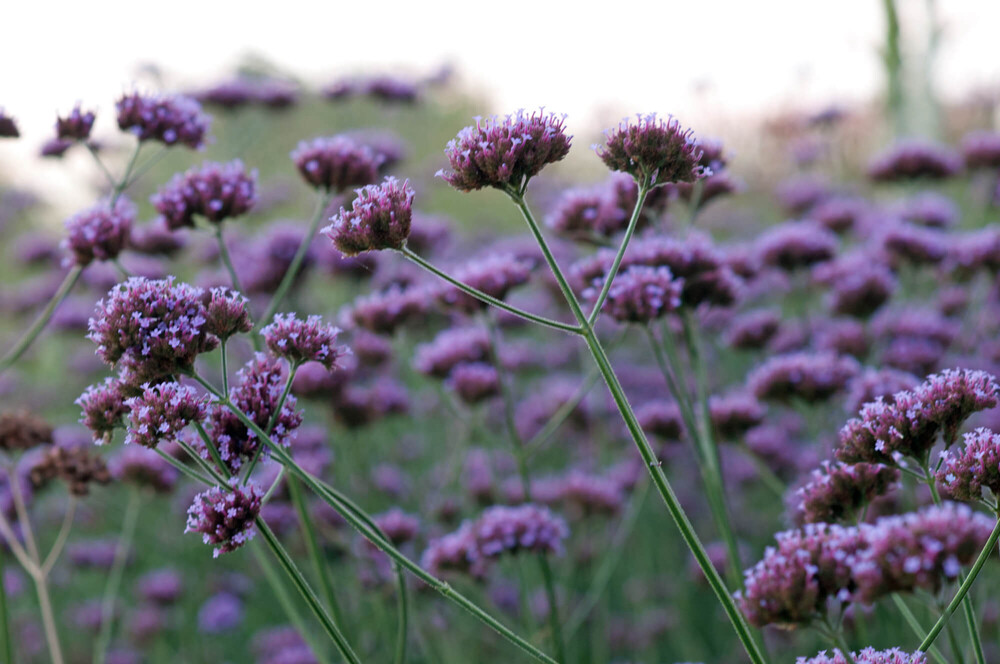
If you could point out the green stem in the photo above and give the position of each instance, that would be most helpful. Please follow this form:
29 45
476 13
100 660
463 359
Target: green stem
225 366
15 353
917 628
8 644
973 625
402 613
953 643
315 553
307 593
227 260
488 299
652 464
124 183
115 577
192 474
629 231
293 268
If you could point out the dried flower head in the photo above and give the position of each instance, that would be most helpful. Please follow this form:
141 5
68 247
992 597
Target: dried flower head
214 191
167 119
336 163
378 219
100 232
225 518
299 341
76 126
23 430
161 412
505 153
77 466
653 152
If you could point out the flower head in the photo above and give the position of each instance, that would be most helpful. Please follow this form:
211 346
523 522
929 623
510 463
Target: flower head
495 275
144 468
336 163
8 128
867 656
976 466
225 518
474 381
76 126
213 191
167 119
653 151
22 431
812 377
161 412
981 149
378 219
837 491
227 313
77 466
642 294
451 348
912 159
100 232
104 408
505 153
301 341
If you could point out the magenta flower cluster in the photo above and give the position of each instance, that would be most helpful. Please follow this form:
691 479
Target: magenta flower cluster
914 158
653 151
968 471
867 656
214 191
378 219
167 119
100 232
811 377
494 274
837 491
76 126
227 313
225 517
299 341
336 163
161 412
642 294
103 408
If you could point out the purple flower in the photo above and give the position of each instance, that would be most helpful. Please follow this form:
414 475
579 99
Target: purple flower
588 214
661 418
8 128
225 518
167 119
839 213
76 126
214 191
104 409
100 232
930 209
300 341
653 151
505 152
981 149
336 163
810 377
220 613
735 413
451 348
867 656
378 219
860 283
912 244
642 294
912 159
495 275
398 526
474 381
795 245
162 411
800 194
752 330
383 312
871 384
144 468
55 147
162 587
976 466
837 491
261 384
151 329
227 313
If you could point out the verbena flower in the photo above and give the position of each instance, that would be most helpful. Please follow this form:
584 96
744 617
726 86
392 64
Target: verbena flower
653 151
505 153
161 412
661 418
931 209
735 413
753 329
227 313
981 149
299 341
225 518
336 163
8 128
21 431
867 656
378 219
642 294
162 586
474 381
871 384
837 491
385 311
494 274
840 213
912 159
451 348
795 245
151 329
104 409
100 232
914 245
811 377
222 612
967 471
76 126
588 214
213 191
77 466
143 468
167 119
860 283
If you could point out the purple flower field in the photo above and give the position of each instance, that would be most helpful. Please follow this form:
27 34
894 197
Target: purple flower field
363 373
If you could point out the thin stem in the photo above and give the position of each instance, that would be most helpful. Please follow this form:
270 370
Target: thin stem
554 623
307 593
124 183
22 515
629 231
48 619
315 553
144 168
225 367
963 590
953 643
274 486
60 542
561 414
212 451
653 465
402 616
192 474
292 272
15 546
100 164
115 577
973 625
274 420
226 259
15 353
8 643
917 628
489 299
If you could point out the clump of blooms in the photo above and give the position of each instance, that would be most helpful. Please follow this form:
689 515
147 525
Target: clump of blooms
76 126
811 377
299 341
919 550
871 384
794 581
167 119
495 275
981 149
378 219
225 518
913 159
837 491
642 294
930 209
860 283
735 413
966 472
336 163
795 245
227 312
261 384
77 466
505 153
451 348
653 152
867 656
587 214
104 409
753 329
213 191
144 468
100 232
161 412
383 312
151 329
21 431
906 243
8 128
474 381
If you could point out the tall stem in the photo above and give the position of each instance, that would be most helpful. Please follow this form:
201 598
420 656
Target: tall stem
227 260
917 628
15 353
653 465
115 577
315 553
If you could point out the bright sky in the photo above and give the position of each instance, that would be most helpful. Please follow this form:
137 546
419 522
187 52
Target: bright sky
696 59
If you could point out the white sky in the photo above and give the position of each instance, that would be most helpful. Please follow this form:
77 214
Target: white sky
697 59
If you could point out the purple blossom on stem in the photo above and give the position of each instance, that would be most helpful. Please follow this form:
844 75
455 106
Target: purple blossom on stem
837 491
981 149
811 377
495 275
76 126
299 341
214 191
100 232
225 518
867 656
505 152
653 151
794 245
378 219
451 348
161 412
912 159
976 466
383 312
167 119
474 381
144 468
336 163
8 128
642 294
104 409
227 312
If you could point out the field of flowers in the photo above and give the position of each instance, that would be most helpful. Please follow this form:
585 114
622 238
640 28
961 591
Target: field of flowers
357 375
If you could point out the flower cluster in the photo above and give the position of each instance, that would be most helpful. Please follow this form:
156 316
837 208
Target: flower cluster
795 245
505 153
161 412
336 163
227 312
837 491
8 128
642 294
77 466
378 219
213 191
867 656
912 159
103 408
76 126
494 274
225 518
474 381
966 472
21 431
811 377
144 468
451 348
167 119
300 341
653 152
100 232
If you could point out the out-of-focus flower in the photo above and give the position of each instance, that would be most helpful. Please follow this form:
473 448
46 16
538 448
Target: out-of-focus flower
214 191
912 159
100 232
336 163
810 377
76 126
981 149
8 128
167 119
22 430
642 294
144 468
867 656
